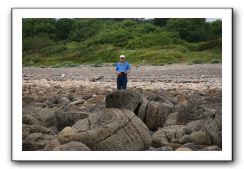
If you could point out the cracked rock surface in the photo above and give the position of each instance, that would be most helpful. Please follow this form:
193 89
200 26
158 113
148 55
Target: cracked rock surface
112 130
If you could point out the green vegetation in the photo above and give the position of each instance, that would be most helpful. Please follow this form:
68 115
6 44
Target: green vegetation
159 41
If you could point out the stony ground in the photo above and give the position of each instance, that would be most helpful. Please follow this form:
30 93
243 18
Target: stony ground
54 98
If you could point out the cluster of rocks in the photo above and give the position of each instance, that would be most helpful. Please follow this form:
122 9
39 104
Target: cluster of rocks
127 120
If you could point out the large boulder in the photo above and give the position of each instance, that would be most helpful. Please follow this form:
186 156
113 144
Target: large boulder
72 146
127 99
156 114
152 113
110 130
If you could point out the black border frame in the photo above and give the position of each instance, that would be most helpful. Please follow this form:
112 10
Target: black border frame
127 161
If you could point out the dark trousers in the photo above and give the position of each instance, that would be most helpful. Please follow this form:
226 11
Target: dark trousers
121 82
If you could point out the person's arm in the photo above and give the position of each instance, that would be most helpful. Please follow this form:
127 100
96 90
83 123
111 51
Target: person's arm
128 69
116 70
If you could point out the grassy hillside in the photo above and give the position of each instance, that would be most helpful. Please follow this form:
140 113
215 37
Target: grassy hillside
70 42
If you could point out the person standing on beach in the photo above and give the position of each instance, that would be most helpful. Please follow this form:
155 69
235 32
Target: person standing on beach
122 70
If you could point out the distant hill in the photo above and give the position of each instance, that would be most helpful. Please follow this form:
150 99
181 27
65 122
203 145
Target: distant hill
159 41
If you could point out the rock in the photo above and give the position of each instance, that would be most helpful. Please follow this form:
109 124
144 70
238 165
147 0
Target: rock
64 101
194 132
157 98
54 100
183 149
27 110
28 129
192 113
212 148
165 148
167 135
28 119
68 119
197 137
47 103
87 96
82 125
77 102
112 130
172 119
181 105
151 149
211 127
50 145
41 105
72 146
142 110
35 141
151 119
27 100
155 113
128 99
192 146
46 117
66 134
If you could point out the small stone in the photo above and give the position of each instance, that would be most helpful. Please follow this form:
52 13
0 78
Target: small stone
192 146
183 149
212 148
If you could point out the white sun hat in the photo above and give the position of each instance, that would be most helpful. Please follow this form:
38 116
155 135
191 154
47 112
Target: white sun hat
122 56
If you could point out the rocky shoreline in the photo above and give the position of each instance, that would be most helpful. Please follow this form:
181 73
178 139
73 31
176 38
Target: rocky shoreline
156 113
